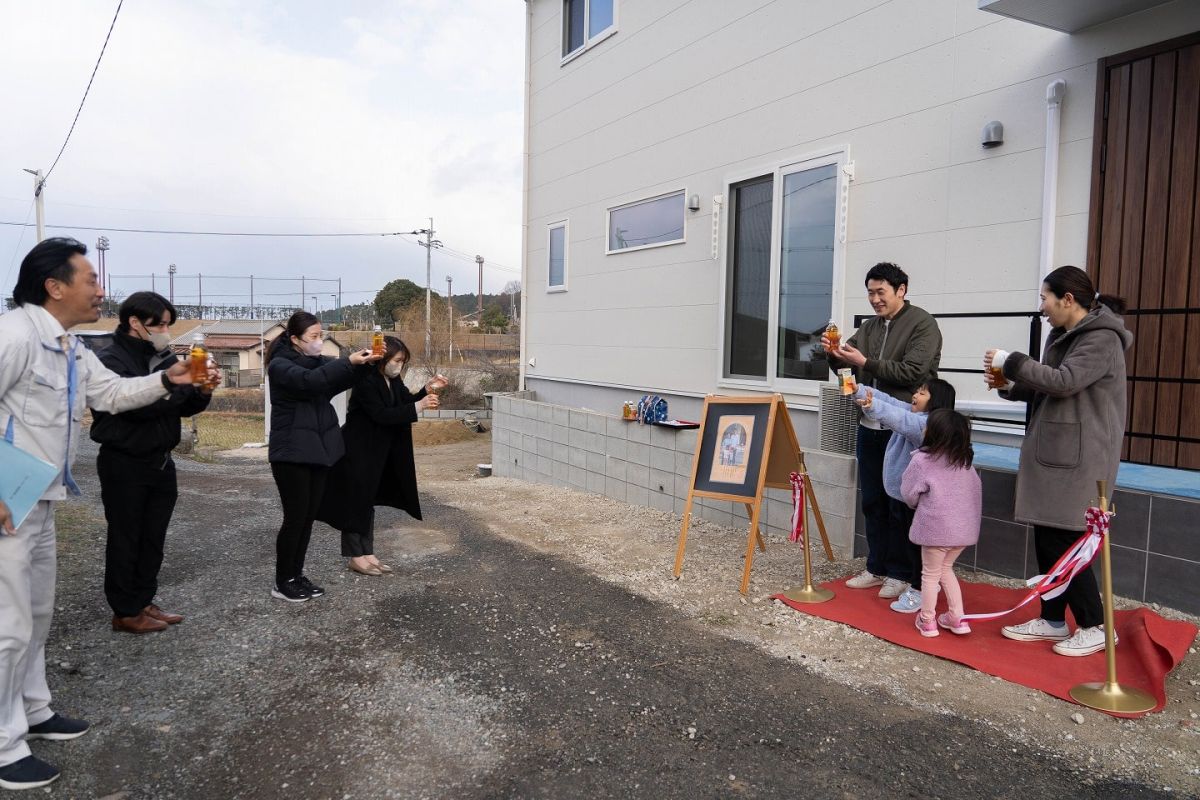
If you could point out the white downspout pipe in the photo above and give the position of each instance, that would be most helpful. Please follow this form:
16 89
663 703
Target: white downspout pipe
524 320
1054 98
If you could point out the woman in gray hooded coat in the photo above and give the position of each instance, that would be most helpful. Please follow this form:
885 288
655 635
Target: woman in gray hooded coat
1077 394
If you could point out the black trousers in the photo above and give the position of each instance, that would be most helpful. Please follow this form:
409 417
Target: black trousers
1082 594
887 533
301 487
139 497
906 514
360 543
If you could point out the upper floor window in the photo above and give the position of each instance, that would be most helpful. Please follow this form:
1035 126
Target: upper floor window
646 223
586 22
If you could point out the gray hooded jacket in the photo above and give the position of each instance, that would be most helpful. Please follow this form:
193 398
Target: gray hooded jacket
1074 437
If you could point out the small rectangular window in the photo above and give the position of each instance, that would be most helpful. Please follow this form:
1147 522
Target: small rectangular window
586 22
646 223
556 272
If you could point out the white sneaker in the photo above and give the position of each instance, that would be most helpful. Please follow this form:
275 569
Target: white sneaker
907 603
1083 642
1036 630
892 587
864 580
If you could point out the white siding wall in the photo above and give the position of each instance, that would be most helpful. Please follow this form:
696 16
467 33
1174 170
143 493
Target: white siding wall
689 93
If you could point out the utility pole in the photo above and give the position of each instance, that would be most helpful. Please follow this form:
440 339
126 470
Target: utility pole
101 249
428 244
171 271
316 308
337 310
39 183
339 298
450 313
479 302
302 291
253 308
200 288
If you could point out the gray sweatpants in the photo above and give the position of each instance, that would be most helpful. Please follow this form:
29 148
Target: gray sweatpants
27 567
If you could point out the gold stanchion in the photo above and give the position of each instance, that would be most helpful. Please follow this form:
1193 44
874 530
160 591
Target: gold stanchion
1110 695
809 593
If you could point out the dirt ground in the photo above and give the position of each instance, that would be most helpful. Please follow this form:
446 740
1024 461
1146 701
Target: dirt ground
633 548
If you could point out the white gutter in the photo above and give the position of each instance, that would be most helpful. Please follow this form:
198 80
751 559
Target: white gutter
1054 97
525 191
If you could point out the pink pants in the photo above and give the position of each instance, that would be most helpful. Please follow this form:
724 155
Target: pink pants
937 566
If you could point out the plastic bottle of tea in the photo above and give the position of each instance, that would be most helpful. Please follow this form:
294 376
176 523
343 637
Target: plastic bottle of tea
199 356
377 346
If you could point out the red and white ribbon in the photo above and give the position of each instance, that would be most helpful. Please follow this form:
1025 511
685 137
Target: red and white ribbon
797 534
1074 561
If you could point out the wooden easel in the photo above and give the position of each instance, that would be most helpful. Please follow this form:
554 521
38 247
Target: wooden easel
780 458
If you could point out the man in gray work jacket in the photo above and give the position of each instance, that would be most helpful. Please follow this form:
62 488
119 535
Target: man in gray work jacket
895 352
47 379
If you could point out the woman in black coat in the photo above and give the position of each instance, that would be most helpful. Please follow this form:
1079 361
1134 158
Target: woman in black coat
378 468
305 440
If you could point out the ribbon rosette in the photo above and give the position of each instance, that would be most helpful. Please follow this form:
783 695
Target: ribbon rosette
1074 561
797 534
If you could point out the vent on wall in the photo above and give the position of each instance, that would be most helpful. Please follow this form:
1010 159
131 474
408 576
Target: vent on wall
838 420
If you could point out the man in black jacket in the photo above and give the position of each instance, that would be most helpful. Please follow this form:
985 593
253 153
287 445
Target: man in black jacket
137 475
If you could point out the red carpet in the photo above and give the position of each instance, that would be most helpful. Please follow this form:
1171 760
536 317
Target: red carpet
1149 647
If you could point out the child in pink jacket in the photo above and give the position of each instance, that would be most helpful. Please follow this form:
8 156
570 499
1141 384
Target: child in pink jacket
944 488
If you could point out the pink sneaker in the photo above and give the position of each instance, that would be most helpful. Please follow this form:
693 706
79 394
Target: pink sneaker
953 625
927 627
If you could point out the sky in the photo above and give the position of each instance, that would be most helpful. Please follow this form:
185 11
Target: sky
247 115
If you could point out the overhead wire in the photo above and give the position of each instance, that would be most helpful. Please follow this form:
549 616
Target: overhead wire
79 110
203 233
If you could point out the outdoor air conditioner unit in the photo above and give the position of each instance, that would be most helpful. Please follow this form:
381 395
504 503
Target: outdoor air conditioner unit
837 416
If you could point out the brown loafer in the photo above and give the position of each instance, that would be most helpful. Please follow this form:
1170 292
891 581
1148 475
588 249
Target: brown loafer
372 571
154 612
139 624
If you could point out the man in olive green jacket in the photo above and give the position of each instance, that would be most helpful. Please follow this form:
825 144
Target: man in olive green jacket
895 352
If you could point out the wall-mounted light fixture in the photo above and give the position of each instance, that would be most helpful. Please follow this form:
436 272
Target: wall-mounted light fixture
993 134
694 203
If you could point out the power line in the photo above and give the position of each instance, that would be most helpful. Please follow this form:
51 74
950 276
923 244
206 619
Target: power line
85 93
196 233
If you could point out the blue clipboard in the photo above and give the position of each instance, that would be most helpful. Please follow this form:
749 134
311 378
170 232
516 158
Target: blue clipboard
24 478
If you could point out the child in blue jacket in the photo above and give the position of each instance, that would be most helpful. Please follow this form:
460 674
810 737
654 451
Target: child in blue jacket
907 423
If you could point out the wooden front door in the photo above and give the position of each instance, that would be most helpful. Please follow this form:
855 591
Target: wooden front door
1144 239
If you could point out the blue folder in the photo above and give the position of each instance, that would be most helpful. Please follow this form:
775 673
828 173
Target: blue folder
24 478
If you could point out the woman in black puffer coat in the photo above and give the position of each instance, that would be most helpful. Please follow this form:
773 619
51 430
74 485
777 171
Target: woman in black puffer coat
305 440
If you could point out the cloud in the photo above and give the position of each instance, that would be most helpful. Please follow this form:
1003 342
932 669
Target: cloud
276 116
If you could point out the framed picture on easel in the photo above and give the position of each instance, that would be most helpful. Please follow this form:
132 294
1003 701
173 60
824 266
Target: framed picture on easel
744 445
730 449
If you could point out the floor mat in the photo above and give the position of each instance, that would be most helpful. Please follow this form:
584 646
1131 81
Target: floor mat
1149 646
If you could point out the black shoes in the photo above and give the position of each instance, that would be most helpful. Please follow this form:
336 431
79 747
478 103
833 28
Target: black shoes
291 591
28 773
312 589
297 590
58 728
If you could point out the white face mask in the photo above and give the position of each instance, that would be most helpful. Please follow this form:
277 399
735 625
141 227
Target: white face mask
393 369
157 340
311 348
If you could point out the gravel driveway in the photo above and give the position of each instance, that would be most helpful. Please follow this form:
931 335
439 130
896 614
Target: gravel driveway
485 667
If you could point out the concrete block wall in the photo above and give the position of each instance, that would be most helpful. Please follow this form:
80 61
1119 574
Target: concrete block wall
647 465
456 413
